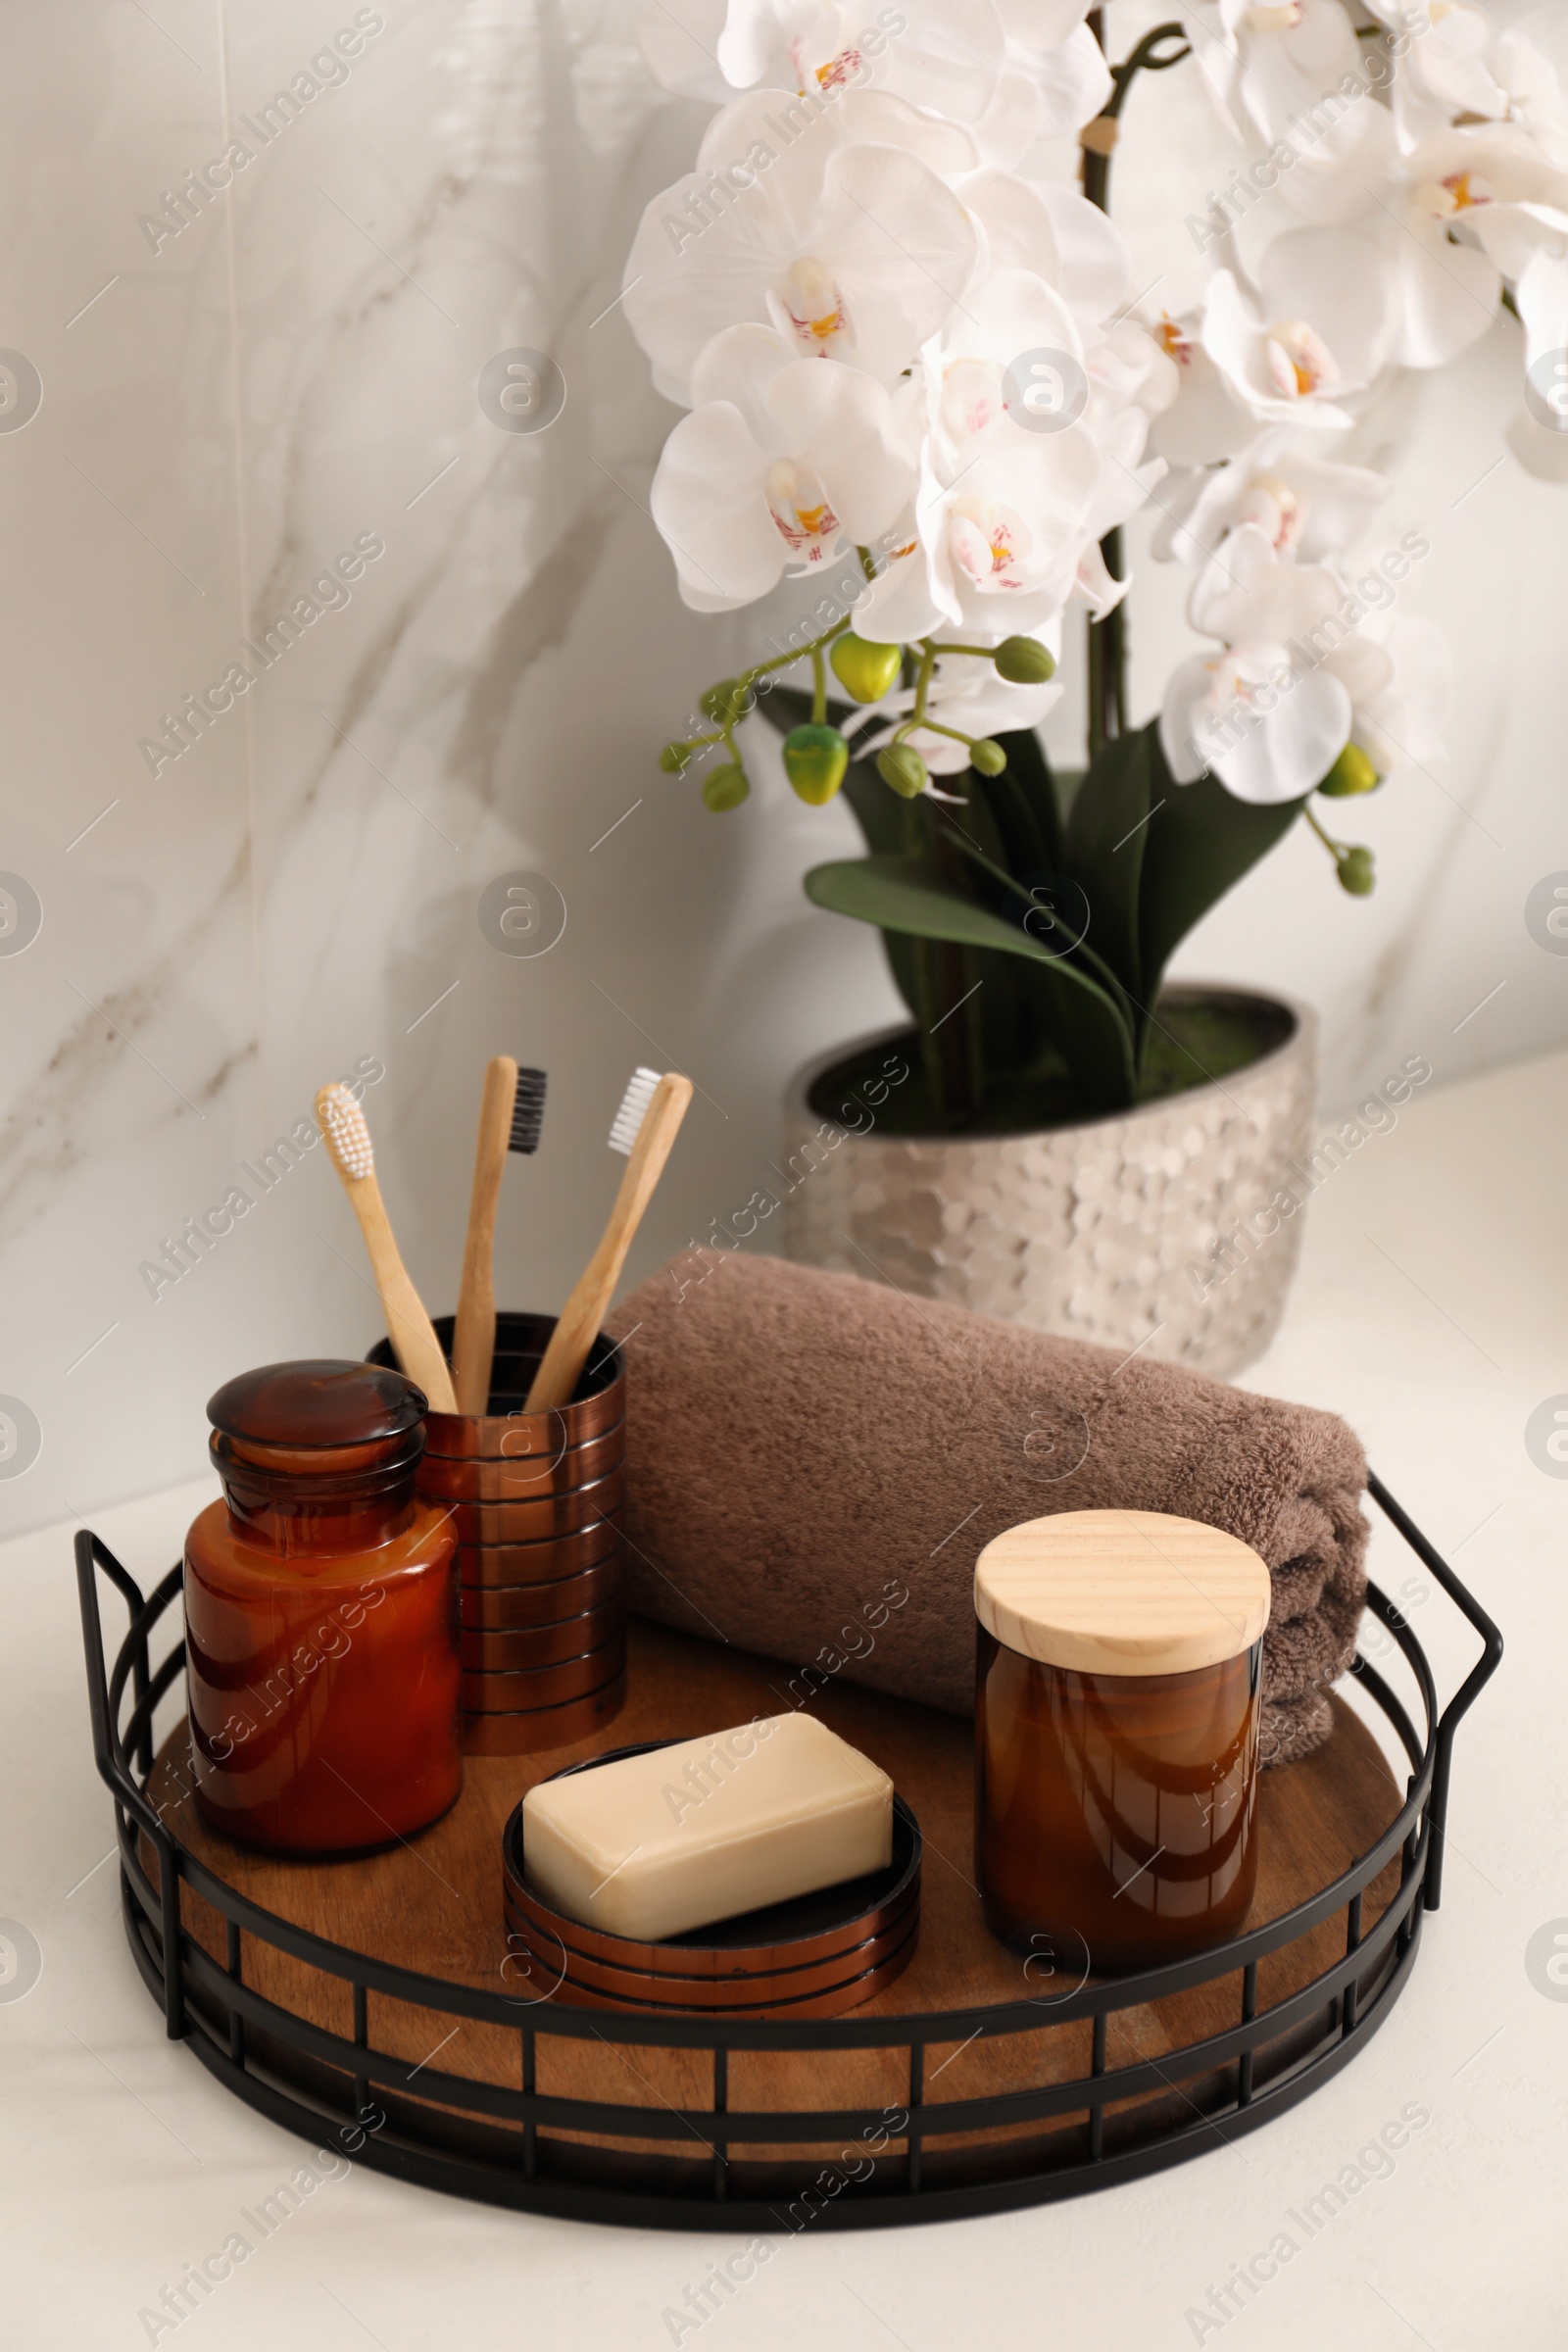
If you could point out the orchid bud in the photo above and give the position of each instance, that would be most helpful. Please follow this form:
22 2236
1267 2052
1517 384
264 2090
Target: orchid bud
675 759
726 704
814 761
1023 662
867 671
1355 871
901 768
988 756
1352 773
724 788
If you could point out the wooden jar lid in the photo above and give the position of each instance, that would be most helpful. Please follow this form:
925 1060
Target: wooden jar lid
1122 1593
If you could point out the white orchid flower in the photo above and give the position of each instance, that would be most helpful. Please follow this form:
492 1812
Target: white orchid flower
852 253
1416 204
1249 713
1006 507
966 367
1054 79
1094 260
1206 423
994 542
1512 201
1533 67
945 55
1053 232
969 696
1268 60
1125 481
1017 225
1235 715
1532 243
1320 328
1132 367
1307 506
1446 64
782 464
1402 705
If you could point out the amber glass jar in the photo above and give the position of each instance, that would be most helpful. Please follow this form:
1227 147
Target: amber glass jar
322 1616
1118 1687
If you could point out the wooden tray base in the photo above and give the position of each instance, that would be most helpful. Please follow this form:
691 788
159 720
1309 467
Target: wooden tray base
437 1906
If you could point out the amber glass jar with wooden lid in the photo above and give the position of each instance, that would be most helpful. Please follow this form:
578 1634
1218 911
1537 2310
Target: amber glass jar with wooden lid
1118 1684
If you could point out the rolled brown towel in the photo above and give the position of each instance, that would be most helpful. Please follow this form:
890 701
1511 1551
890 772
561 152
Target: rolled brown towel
797 1442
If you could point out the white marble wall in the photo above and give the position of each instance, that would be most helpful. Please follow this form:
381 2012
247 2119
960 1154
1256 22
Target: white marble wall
296 368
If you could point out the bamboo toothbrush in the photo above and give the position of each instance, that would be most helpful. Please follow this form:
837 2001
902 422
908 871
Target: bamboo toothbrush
512 1112
645 1126
417 1350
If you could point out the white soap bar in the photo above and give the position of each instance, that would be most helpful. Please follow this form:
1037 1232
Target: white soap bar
654 1845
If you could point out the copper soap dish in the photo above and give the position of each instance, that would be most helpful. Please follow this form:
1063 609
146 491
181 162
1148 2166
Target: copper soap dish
813 1956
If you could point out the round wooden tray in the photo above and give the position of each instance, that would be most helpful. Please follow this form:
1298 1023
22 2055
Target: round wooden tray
1312 1820
379 2003
436 1907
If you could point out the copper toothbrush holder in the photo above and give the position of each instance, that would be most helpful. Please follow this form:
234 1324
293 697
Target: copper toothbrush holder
535 1499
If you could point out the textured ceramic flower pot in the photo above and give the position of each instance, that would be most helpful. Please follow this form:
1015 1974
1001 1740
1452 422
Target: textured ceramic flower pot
1174 1228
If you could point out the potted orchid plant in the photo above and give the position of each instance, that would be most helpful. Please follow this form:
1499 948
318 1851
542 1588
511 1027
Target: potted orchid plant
918 379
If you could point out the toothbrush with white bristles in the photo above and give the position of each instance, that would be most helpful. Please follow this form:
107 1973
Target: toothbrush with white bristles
417 1350
645 1127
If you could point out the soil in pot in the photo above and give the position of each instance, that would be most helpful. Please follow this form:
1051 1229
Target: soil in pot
1198 1038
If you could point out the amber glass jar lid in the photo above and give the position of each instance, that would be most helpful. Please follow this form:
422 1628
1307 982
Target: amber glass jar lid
324 1402
1122 1593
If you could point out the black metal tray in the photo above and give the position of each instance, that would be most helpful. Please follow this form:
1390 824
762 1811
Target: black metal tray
605 2159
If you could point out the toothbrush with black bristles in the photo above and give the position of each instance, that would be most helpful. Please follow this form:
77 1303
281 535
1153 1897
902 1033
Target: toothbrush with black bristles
512 1112
644 1129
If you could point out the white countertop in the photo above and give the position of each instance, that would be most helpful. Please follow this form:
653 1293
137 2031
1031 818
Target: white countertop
1431 1311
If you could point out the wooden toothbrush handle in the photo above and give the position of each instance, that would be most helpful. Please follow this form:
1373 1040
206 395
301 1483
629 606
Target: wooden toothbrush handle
473 1342
409 1327
564 1359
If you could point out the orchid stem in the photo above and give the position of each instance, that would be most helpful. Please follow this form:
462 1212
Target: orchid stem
922 680
1335 849
818 686
759 669
1108 637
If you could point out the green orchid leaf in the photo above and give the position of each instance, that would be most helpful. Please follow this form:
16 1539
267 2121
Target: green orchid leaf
900 895
1105 840
878 812
1026 804
1202 841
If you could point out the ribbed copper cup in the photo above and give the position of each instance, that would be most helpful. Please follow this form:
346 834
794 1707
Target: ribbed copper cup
547 1560
496 1650
523 1478
527 1731
523 1436
533 1498
505 1692
503 1609
547 1517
